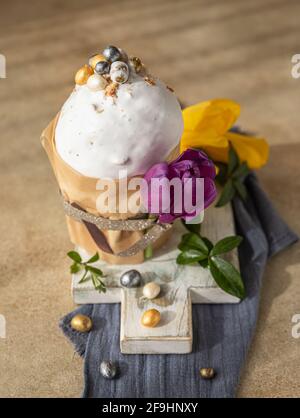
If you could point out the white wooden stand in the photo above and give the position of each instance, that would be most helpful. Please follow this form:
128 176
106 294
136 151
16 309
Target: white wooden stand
181 286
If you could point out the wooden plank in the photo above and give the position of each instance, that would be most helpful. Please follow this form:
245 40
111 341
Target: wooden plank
180 287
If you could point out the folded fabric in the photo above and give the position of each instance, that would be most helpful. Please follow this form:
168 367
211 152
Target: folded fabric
222 333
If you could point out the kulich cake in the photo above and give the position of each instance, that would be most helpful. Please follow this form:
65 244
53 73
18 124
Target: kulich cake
119 117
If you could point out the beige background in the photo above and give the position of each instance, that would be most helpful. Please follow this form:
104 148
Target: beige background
204 49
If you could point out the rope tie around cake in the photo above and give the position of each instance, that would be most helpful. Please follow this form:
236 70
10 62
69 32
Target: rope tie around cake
95 224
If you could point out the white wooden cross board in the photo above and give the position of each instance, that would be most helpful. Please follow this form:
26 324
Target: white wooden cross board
181 286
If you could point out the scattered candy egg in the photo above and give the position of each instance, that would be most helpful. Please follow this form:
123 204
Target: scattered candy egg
136 64
150 318
119 72
102 67
96 82
151 290
207 373
94 59
112 53
108 369
81 323
131 278
83 74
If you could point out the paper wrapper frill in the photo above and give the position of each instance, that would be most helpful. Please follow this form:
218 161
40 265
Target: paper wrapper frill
82 191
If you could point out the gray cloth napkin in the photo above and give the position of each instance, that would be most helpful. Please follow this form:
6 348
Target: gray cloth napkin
222 333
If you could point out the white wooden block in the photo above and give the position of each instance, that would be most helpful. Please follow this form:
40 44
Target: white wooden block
181 286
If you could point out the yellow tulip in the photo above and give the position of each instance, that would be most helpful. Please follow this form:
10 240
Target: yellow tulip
206 126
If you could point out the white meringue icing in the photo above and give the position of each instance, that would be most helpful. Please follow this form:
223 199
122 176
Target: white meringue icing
99 135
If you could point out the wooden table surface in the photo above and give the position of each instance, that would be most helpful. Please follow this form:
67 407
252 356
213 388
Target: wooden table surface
203 49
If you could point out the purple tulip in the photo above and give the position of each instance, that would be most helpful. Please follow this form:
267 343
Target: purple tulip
184 171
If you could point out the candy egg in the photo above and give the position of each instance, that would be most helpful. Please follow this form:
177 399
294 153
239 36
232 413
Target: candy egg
96 82
136 64
150 318
102 67
112 53
83 74
131 278
207 373
81 323
94 59
151 290
119 72
108 369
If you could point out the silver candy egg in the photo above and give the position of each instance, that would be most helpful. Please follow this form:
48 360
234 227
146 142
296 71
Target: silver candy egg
108 369
119 72
112 53
131 278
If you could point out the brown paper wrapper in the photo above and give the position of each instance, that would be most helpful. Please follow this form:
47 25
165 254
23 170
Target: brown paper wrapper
82 190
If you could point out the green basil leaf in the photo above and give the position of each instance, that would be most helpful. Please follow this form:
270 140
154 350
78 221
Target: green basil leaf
190 257
75 268
242 171
98 284
208 243
227 194
233 160
226 244
75 256
241 189
227 277
84 278
221 177
193 241
203 263
93 259
94 270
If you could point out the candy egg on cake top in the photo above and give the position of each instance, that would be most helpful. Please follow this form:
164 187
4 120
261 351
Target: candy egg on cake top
119 117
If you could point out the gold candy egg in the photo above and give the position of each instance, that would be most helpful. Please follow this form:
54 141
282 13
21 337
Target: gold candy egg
207 373
96 58
81 323
83 74
150 318
136 64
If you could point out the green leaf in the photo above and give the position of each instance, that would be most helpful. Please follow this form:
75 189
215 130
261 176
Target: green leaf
93 259
222 174
208 243
226 244
242 171
227 277
190 257
194 228
233 160
94 270
193 241
98 284
75 256
203 263
227 194
84 278
241 189
75 268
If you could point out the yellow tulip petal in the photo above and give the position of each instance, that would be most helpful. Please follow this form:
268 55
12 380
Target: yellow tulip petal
251 149
206 127
216 116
